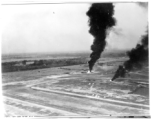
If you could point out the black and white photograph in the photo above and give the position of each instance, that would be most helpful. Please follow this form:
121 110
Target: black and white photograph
75 59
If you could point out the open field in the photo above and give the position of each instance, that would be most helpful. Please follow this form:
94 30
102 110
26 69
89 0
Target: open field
68 91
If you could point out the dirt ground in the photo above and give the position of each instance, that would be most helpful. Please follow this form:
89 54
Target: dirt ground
70 91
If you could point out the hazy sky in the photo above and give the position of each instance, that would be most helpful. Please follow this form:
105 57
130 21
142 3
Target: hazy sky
64 27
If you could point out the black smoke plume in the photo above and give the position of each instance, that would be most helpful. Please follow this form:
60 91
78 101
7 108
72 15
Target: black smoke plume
143 4
100 19
137 57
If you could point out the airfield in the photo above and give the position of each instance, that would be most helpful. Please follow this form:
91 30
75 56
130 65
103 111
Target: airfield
69 91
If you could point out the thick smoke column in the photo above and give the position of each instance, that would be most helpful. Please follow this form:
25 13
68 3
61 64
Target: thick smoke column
137 56
100 19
